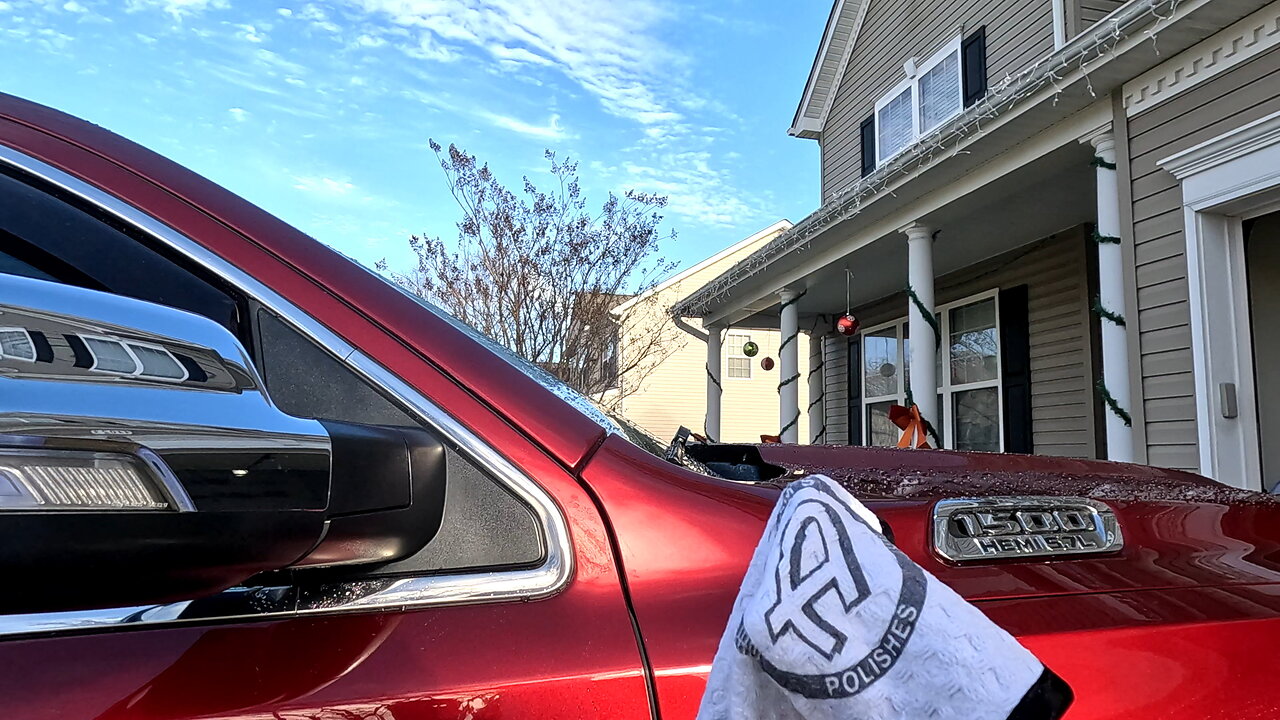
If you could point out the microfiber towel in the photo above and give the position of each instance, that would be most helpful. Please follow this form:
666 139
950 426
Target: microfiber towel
833 621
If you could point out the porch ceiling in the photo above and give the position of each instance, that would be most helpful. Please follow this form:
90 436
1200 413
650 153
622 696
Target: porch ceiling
1037 200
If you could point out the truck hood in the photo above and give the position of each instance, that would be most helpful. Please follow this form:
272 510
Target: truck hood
1180 529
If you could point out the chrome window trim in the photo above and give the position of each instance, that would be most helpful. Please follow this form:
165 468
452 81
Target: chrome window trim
524 584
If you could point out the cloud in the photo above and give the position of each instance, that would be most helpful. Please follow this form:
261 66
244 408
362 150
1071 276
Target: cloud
74 7
251 33
695 190
178 9
238 114
551 131
326 186
613 55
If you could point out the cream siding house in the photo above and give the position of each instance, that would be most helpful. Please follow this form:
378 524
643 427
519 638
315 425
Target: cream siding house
1075 202
673 393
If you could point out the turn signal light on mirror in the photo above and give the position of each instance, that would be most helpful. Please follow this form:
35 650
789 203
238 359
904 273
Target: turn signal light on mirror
74 480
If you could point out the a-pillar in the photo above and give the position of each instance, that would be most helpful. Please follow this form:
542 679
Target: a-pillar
789 366
1110 303
921 324
715 391
817 389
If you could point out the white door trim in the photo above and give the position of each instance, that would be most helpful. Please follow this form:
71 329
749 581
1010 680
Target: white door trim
1224 181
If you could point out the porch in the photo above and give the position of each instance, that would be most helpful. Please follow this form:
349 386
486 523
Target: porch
1004 261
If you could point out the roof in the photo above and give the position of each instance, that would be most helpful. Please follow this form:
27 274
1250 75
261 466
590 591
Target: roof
828 67
1055 86
780 226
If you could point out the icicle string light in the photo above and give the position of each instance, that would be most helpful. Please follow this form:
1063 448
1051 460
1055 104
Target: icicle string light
1141 19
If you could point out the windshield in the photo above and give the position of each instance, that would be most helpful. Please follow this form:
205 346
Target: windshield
609 421
580 402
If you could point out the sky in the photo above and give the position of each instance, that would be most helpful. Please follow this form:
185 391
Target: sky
320 112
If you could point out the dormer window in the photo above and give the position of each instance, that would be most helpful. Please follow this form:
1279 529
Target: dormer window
928 97
933 92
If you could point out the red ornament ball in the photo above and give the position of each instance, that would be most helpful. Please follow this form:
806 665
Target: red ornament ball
848 325
766 363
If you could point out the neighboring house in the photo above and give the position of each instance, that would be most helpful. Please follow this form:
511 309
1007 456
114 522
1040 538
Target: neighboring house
674 391
1084 191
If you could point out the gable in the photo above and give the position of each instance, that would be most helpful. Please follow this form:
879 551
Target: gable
833 54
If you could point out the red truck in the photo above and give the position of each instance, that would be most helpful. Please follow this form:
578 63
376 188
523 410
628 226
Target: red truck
243 477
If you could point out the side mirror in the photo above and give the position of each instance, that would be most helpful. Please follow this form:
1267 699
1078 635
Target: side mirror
141 461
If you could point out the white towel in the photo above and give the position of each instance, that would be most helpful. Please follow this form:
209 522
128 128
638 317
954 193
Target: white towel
834 622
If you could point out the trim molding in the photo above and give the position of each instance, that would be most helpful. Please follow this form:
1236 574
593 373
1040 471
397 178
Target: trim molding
807 123
1236 44
1257 135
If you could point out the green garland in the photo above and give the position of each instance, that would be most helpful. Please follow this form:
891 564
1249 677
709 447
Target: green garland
713 379
1098 162
1101 239
928 316
788 303
1106 314
1113 405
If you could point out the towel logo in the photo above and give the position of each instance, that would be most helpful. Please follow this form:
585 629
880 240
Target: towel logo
798 591
819 523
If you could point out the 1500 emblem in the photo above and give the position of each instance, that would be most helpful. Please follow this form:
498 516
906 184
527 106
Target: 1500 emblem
994 528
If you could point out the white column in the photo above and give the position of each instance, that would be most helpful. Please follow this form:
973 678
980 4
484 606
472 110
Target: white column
1115 343
924 343
817 389
711 426
789 367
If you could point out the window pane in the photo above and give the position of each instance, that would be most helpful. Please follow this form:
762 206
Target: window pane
977 416
739 367
940 93
880 363
894 129
880 431
975 346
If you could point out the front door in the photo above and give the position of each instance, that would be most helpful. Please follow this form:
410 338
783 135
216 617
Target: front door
1262 264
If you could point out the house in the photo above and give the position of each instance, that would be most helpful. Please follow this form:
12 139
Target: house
1059 215
674 391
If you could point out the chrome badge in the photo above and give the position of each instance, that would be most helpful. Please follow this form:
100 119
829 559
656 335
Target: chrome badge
998 528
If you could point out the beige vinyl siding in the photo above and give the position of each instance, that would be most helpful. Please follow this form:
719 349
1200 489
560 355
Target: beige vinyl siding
835 370
1056 272
1089 12
1018 33
675 392
1239 96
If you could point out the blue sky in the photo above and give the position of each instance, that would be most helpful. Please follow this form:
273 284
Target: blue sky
320 111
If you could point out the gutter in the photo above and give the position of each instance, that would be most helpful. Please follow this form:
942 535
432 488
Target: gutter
1012 92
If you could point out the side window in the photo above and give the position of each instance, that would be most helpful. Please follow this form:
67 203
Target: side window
44 236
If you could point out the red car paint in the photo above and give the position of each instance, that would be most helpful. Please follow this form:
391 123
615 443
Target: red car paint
1180 624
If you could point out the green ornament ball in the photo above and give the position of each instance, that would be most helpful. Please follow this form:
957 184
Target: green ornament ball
750 349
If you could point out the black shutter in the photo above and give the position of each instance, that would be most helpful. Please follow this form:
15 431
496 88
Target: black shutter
868 134
973 53
1015 365
855 390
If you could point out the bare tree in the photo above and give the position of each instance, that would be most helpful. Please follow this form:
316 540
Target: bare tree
542 275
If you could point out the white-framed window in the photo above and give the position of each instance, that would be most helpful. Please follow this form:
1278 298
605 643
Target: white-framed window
931 94
739 365
970 394
16 344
